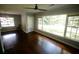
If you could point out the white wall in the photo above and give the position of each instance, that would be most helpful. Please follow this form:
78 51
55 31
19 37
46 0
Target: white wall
23 21
27 22
30 23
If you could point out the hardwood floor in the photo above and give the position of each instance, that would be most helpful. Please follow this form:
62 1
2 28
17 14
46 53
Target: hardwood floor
33 43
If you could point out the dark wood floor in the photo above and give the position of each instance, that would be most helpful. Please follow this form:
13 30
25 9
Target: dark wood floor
33 43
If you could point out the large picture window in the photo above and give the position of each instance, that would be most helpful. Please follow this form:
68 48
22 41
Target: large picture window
54 24
7 21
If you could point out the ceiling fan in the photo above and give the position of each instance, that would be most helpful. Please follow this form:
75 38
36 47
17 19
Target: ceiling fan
36 8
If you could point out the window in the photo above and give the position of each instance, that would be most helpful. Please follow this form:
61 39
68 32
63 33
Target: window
53 24
7 21
61 25
73 28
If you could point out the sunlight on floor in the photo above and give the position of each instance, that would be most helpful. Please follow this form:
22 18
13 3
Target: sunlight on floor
9 40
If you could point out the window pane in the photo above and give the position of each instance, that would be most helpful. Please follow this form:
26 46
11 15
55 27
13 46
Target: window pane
77 37
68 32
7 21
40 23
73 33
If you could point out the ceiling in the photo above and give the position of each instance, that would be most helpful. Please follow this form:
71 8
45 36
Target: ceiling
22 7
19 8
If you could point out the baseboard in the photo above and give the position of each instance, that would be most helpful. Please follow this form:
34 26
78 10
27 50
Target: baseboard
7 32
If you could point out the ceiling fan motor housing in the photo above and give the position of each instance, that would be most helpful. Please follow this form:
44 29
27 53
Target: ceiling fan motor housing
36 7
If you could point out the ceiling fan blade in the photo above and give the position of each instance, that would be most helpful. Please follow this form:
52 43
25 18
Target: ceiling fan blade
42 9
52 4
28 8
